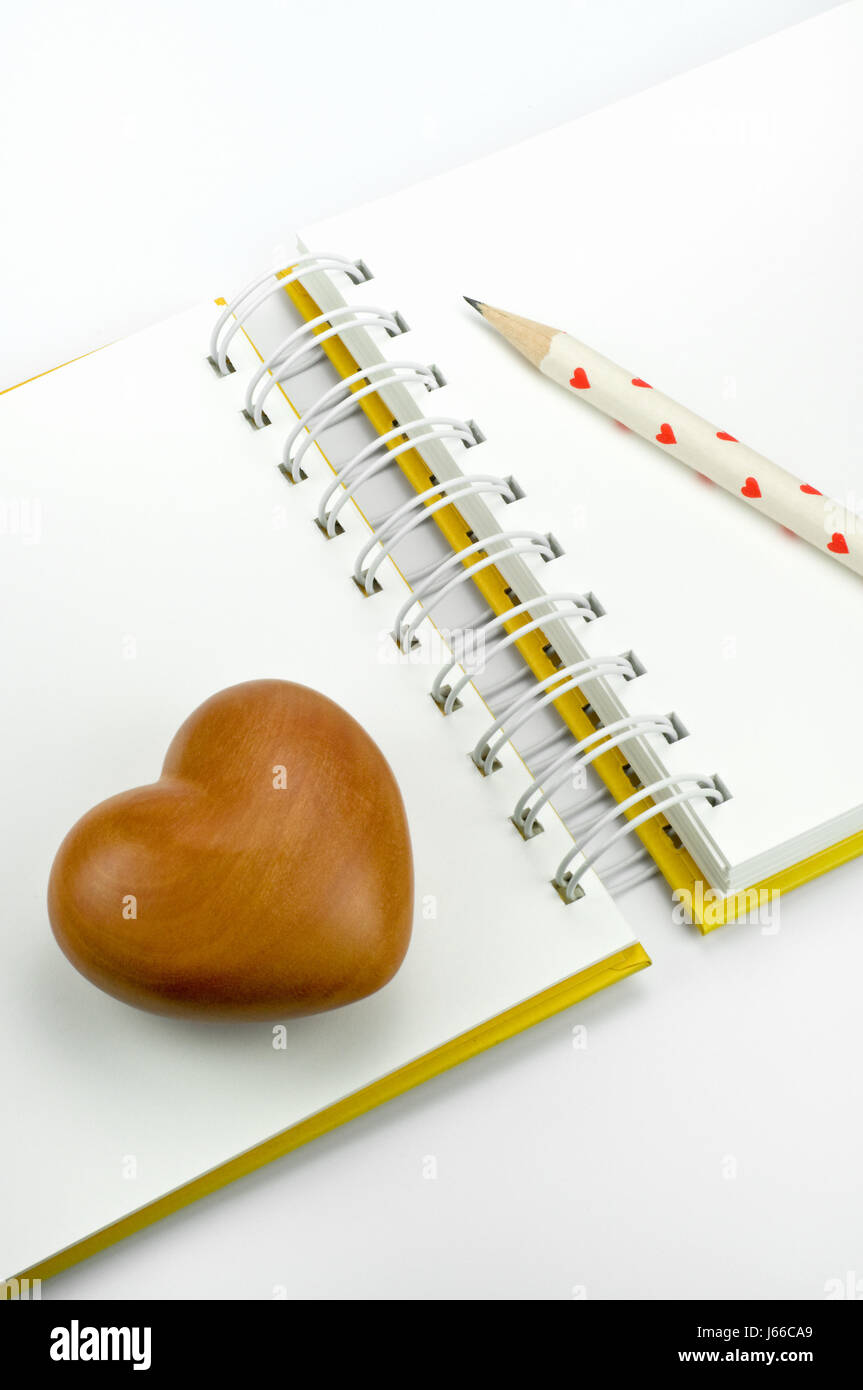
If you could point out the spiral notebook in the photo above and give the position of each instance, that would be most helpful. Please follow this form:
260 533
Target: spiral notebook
706 234
336 477
153 555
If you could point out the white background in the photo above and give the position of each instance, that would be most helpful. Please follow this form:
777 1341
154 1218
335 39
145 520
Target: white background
705 1141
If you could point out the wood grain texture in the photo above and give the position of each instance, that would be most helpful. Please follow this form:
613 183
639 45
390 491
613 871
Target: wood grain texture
266 874
532 340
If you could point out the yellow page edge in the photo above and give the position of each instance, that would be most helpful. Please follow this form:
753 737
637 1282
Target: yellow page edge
496 1030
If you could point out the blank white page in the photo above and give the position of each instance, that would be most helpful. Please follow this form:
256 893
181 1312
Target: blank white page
158 556
705 234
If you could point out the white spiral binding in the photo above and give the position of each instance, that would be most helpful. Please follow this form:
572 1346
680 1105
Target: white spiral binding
578 607
429 594
244 304
582 754
418 509
375 456
567 881
543 693
436 584
299 349
341 400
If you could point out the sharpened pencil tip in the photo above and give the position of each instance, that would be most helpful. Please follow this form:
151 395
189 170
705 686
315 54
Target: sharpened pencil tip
474 303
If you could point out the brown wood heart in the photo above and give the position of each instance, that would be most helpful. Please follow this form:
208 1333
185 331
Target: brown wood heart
267 874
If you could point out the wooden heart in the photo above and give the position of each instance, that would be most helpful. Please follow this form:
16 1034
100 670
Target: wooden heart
268 872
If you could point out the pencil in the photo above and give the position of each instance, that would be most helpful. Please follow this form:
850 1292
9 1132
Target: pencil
792 502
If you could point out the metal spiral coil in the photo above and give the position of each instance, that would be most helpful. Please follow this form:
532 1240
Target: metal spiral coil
557 757
544 693
567 881
436 586
582 754
257 291
300 348
577 606
341 400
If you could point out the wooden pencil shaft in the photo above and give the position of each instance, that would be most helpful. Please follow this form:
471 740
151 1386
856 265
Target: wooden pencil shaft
714 452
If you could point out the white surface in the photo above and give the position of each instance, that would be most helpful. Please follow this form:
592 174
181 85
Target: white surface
737 290
172 561
150 156
597 1169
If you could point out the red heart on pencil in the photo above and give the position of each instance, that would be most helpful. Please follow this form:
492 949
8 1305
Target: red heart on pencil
838 544
750 488
579 379
813 491
666 435
721 434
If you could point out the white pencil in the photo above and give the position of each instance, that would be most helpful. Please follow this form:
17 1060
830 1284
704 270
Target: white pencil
762 484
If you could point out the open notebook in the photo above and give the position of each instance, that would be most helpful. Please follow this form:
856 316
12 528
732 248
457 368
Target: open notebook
154 555
706 234
161 545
